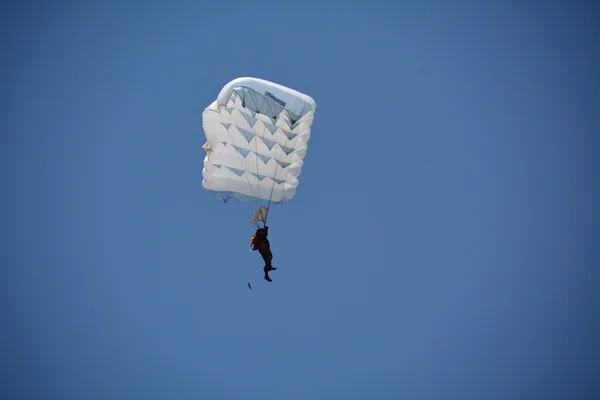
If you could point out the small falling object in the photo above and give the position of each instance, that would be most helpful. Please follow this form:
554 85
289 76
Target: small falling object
249 285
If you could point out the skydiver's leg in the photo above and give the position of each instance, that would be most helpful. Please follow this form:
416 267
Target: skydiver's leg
267 257
268 267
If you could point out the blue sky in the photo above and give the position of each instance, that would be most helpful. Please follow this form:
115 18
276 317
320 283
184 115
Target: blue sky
442 244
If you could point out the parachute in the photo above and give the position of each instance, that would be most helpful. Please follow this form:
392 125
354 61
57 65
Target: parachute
256 140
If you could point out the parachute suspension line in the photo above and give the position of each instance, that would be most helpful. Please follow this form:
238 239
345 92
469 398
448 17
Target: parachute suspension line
257 173
269 203
272 187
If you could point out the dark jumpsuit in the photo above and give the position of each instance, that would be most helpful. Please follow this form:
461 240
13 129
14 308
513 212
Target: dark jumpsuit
261 243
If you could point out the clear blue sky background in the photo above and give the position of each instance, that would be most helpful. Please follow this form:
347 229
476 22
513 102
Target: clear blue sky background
443 243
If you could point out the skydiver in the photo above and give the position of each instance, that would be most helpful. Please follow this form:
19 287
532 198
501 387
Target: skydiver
260 242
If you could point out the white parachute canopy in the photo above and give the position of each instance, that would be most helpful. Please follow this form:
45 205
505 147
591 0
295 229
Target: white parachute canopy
257 133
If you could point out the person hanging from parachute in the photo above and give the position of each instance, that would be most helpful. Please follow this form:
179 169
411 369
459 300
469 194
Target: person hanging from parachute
256 140
260 242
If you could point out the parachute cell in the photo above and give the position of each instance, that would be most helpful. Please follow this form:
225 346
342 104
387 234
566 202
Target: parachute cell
257 136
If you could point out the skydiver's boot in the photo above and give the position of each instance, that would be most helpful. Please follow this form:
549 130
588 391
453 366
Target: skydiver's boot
268 268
